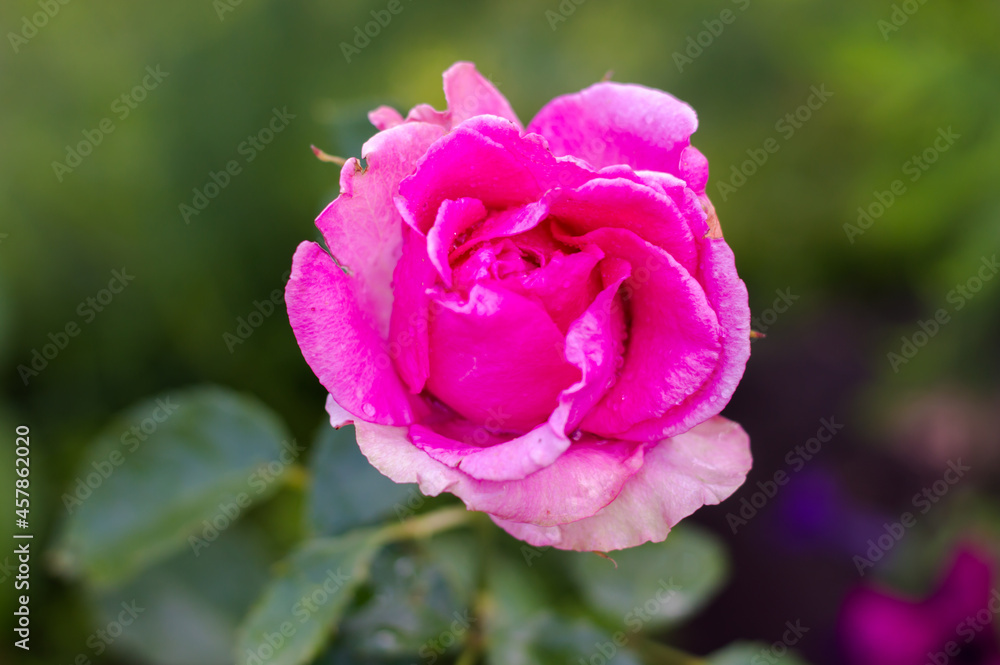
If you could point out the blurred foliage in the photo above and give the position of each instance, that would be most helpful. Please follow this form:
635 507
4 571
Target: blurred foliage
199 308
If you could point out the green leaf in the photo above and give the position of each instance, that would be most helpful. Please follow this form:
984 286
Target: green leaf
654 585
188 608
346 490
519 629
415 606
169 472
304 604
747 653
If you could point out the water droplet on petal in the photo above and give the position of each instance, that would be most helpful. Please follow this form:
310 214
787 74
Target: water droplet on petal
577 435
368 410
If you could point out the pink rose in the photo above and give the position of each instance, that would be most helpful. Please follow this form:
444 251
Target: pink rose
543 321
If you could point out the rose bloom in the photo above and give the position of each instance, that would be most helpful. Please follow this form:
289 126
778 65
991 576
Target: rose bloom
543 321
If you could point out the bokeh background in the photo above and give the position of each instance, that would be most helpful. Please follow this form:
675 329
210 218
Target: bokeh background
833 300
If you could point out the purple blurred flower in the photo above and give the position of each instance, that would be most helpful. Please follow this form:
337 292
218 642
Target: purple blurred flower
954 624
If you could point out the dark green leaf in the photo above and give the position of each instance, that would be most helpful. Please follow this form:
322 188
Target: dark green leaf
656 584
187 609
168 472
302 607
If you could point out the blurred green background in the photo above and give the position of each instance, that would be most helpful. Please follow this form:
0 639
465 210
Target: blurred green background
227 66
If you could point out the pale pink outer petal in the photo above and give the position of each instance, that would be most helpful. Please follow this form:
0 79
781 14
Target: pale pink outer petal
339 341
615 123
509 460
584 479
339 416
362 227
703 466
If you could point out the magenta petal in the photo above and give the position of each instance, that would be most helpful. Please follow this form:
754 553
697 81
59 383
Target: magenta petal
727 295
673 342
693 169
565 286
339 340
615 123
385 117
621 203
469 94
594 344
497 357
703 466
486 158
453 218
407 342
511 459
362 227
584 479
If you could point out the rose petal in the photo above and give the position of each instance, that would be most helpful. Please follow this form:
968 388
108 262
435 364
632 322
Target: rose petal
498 356
362 227
620 203
469 94
614 123
339 416
453 218
565 286
479 452
702 466
673 342
407 342
385 117
727 295
339 341
584 479
594 344
486 158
